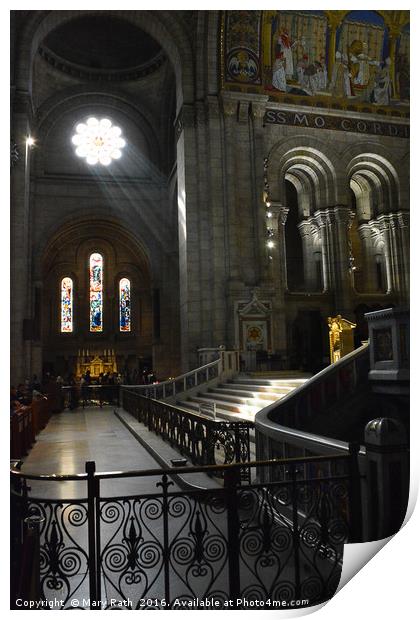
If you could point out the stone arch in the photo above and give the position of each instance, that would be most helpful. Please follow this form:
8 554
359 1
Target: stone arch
305 158
72 229
374 174
375 183
164 26
67 252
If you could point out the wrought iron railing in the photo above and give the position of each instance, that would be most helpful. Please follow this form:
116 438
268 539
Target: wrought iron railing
268 545
183 383
203 440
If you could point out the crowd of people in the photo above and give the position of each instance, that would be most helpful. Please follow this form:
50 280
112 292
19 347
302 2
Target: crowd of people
22 396
70 389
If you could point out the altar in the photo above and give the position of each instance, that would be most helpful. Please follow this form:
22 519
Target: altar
96 362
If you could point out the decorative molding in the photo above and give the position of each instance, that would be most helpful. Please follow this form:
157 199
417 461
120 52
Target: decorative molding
102 75
255 307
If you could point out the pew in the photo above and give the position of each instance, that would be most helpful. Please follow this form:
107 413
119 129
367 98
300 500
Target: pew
26 424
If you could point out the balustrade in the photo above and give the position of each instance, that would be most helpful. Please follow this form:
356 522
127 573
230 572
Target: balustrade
275 542
203 440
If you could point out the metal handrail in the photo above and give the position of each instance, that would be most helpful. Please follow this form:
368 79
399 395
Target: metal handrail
272 411
192 415
176 470
93 529
201 439
178 378
320 376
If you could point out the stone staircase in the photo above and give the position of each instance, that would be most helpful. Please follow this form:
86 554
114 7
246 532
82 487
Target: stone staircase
243 396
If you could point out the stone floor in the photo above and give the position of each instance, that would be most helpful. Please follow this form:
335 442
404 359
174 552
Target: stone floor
73 437
136 527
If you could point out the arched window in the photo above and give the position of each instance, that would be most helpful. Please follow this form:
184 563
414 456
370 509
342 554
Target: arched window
96 292
66 305
125 305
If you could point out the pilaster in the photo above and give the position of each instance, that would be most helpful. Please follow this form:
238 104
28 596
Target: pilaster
20 244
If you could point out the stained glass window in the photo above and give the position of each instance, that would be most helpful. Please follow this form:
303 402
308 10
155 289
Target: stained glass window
98 141
66 305
96 292
125 305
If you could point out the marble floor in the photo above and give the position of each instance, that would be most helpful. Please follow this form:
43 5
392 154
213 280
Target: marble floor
73 437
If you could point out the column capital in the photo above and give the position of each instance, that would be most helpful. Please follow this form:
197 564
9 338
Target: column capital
279 211
321 218
305 228
341 214
230 106
403 219
258 109
386 221
365 230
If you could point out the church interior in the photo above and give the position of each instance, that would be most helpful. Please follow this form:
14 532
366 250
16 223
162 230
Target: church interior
209 267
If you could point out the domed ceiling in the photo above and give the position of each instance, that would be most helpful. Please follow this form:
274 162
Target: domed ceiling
96 46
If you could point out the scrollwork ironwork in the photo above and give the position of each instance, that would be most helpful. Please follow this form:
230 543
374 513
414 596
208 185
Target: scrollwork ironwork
63 544
263 541
205 442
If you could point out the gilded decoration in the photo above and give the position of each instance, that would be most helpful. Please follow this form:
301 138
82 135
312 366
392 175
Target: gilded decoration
341 337
352 56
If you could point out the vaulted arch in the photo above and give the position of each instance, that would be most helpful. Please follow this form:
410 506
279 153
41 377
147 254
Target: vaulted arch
163 26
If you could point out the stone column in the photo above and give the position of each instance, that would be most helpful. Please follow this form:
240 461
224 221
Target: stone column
340 218
321 220
188 238
19 240
306 229
258 108
279 217
278 274
230 108
244 199
404 222
369 275
396 234
387 224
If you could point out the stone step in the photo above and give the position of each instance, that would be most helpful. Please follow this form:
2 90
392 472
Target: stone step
272 389
278 374
245 380
226 405
244 393
221 416
240 400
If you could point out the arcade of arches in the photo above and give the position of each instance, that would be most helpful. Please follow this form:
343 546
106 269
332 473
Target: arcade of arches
239 177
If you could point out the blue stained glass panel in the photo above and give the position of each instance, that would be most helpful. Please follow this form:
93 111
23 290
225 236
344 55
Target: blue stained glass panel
125 305
66 305
96 292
